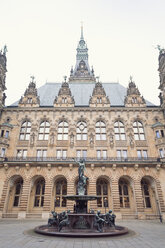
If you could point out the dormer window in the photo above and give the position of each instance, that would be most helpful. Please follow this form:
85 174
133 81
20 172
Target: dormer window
64 100
29 100
134 100
99 100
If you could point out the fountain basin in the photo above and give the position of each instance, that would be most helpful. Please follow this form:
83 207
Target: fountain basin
81 225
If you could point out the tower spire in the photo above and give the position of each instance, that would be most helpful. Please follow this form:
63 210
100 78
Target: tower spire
82 37
82 70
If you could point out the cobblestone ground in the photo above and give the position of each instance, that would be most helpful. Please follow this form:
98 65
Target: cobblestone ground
19 234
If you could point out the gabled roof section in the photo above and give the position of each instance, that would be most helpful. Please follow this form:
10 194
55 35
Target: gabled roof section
81 91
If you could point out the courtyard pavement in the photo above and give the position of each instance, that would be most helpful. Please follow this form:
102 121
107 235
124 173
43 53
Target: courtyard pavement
20 234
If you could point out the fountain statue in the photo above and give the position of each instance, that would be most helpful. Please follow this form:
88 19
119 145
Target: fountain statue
80 222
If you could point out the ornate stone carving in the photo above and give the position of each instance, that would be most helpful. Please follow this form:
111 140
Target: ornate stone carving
3 71
82 70
64 98
99 98
30 98
133 98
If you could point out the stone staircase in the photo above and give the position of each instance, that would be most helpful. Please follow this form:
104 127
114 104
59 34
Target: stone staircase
9 215
34 215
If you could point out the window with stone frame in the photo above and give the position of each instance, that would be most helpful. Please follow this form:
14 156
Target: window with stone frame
61 154
146 193
122 154
44 130
101 154
161 153
21 153
41 154
124 194
62 133
3 152
102 193
60 192
25 130
17 192
81 154
142 154
100 130
138 130
39 193
119 131
81 130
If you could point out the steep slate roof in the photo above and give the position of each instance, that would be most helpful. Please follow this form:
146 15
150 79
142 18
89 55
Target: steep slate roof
81 91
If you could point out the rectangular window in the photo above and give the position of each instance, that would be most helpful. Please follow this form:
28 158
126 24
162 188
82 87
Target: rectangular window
104 154
118 153
21 153
162 133
7 134
142 154
64 154
157 134
145 154
58 154
78 154
41 154
98 154
81 154
84 154
3 151
61 154
122 154
2 133
139 154
161 153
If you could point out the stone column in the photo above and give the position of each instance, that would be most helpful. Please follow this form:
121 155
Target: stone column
92 191
138 196
25 196
48 196
70 191
115 195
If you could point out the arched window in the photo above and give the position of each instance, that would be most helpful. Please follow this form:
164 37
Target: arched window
81 130
123 194
146 193
60 192
44 130
138 130
39 193
25 131
102 192
119 130
18 191
100 130
62 131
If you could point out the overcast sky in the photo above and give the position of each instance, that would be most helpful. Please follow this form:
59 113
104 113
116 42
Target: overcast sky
42 36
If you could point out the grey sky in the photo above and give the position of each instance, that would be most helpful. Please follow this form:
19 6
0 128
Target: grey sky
42 37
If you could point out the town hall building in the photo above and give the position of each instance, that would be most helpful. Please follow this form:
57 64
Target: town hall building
119 134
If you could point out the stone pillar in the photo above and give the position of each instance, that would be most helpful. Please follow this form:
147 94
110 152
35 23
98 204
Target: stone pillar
3 198
70 191
115 195
92 191
48 196
25 196
160 197
138 196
